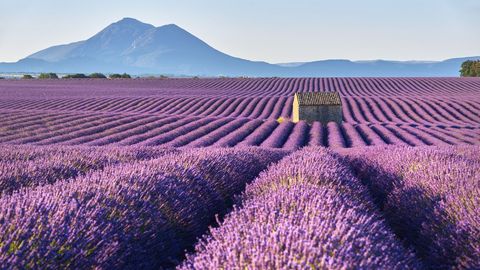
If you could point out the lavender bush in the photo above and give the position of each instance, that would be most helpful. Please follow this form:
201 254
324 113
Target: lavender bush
27 166
307 211
137 215
430 197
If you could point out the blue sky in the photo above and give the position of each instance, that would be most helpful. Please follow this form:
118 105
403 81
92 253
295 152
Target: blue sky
272 31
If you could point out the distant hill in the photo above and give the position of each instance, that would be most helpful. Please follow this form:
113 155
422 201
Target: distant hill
381 68
139 48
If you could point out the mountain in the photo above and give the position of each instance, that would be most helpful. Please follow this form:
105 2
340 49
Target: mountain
139 48
106 45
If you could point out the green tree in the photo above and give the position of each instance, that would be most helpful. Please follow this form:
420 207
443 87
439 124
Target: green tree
97 75
119 76
470 68
48 76
27 77
75 76
476 69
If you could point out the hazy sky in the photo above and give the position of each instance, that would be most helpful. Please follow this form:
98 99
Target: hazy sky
269 30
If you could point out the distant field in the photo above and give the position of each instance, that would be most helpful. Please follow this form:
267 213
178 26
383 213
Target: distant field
238 112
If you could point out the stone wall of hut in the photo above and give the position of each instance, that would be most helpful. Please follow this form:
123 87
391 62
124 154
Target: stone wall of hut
323 114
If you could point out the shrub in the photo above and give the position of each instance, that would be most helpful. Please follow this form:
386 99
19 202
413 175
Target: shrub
120 76
75 76
48 76
97 75
27 77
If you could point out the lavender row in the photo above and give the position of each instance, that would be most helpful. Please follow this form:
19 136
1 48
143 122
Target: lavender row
424 110
138 215
279 136
232 87
29 166
430 196
179 131
238 135
218 134
306 212
46 129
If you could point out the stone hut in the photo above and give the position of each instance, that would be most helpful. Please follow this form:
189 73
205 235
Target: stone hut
317 106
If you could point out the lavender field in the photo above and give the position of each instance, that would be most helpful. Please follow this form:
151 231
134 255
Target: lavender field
230 112
213 174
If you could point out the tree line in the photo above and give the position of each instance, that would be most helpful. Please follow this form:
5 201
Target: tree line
470 68
79 76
